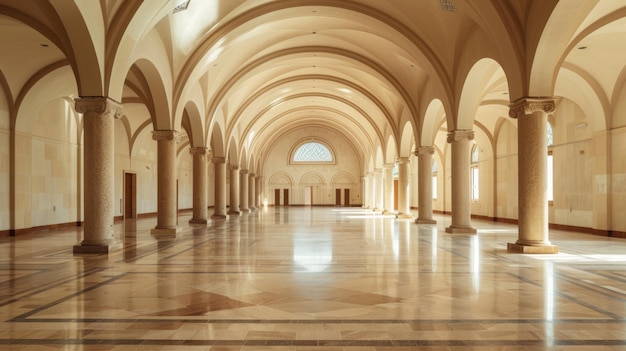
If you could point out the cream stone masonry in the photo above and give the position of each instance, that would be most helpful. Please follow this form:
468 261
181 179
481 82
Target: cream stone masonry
425 184
234 190
98 120
532 119
167 210
258 190
404 191
220 188
461 215
243 190
200 182
251 192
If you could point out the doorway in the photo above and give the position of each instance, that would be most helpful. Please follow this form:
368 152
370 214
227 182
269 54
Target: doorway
130 195
286 197
346 197
308 196
276 197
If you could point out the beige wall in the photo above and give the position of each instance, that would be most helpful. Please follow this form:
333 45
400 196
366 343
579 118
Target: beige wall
346 172
506 171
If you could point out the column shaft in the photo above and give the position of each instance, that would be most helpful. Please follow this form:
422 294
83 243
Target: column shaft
404 190
425 184
220 188
243 190
388 188
167 211
200 186
234 190
378 188
258 191
532 116
461 210
98 120
251 192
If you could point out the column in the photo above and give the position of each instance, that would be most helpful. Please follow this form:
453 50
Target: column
251 191
220 188
388 188
258 192
461 211
404 191
234 190
200 186
365 197
378 188
167 201
98 120
425 184
243 190
532 146
371 198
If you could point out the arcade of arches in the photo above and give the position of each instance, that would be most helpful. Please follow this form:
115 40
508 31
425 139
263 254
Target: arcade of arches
214 109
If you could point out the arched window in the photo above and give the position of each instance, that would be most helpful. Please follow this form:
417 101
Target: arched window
474 172
312 152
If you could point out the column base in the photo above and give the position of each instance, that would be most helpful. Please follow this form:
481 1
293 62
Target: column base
235 213
387 212
245 210
97 248
198 221
404 216
166 231
461 230
219 217
425 221
531 249
252 209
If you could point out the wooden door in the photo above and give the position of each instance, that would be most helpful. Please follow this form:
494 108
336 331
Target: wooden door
337 197
395 194
130 195
276 197
286 197
346 197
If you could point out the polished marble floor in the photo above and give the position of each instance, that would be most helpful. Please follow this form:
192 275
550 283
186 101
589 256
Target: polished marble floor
304 279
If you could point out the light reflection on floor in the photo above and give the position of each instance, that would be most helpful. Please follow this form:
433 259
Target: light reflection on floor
317 278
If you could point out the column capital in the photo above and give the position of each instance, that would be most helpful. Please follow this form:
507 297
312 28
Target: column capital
403 160
460 134
217 160
198 150
233 167
165 135
243 171
389 166
98 104
424 150
527 106
251 174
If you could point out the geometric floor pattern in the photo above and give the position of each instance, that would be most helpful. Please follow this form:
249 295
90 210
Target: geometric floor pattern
319 278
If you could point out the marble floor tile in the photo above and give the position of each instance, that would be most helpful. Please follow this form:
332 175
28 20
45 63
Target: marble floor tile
318 278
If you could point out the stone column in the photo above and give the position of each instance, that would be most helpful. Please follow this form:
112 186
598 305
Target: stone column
365 197
388 188
251 191
404 190
461 211
258 191
371 198
425 184
200 186
167 211
243 190
220 188
98 120
234 190
532 119
378 188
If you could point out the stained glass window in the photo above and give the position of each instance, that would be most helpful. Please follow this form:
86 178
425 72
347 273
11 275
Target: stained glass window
312 152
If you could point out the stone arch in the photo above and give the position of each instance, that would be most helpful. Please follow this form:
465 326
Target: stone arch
407 141
153 91
477 84
217 141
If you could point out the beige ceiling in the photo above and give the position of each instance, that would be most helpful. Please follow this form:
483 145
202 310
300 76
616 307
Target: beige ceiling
387 74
